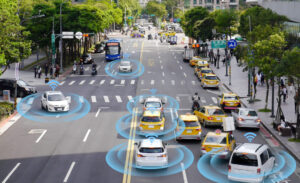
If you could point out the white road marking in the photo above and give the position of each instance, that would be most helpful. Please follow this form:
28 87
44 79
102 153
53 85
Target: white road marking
92 82
163 82
173 73
12 121
98 67
81 99
152 82
133 52
130 99
182 82
160 61
142 82
177 98
119 100
87 69
203 100
30 101
159 56
173 82
97 113
184 74
183 173
102 82
61 83
11 172
194 82
180 67
162 67
69 171
122 82
72 82
93 99
177 62
163 74
41 131
214 99
106 99
132 82
112 82
81 82
86 135
175 57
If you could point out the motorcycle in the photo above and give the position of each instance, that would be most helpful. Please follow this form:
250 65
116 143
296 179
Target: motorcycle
81 72
195 106
74 69
94 70
155 36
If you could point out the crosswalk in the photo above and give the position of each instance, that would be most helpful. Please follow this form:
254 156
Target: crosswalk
182 99
124 82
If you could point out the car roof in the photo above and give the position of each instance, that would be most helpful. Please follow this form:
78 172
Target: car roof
53 92
188 117
210 74
151 113
250 148
230 94
223 134
246 109
206 68
211 107
125 61
151 143
152 99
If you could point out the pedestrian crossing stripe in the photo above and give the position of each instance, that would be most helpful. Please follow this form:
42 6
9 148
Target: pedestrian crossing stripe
142 82
119 100
112 82
102 82
81 99
130 99
61 83
173 82
92 82
87 69
152 82
81 82
93 98
214 99
122 82
193 82
106 99
132 82
203 100
72 82
163 82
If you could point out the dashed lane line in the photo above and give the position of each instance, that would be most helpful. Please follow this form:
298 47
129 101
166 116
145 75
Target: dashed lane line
69 171
11 172
86 135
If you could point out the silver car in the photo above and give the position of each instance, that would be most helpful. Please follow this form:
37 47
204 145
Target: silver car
247 118
125 66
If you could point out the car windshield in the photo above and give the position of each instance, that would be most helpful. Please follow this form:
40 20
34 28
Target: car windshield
151 150
206 71
215 140
215 112
230 98
211 77
113 50
22 83
244 159
125 64
55 97
191 124
151 119
248 113
153 104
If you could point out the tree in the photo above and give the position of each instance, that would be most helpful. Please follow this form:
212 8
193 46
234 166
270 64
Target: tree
203 28
14 44
267 54
225 19
260 32
259 16
169 5
190 18
157 9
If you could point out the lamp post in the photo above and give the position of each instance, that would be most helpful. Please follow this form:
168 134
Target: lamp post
61 40
249 72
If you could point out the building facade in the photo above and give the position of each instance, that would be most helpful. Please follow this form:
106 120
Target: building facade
215 4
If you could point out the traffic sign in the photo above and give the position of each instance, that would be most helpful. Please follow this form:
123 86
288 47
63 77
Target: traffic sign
218 44
232 43
67 35
130 18
78 35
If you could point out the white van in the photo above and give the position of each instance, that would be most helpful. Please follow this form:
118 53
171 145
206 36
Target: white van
250 163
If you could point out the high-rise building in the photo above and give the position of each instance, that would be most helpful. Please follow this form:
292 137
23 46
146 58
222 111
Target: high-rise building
143 3
215 4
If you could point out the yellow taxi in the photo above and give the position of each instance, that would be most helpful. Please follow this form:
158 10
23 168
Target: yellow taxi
171 33
203 71
218 143
210 81
191 125
152 120
201 64
230 101
210 115
194 61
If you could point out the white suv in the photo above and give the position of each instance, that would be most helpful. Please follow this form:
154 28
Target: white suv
55 101
250 163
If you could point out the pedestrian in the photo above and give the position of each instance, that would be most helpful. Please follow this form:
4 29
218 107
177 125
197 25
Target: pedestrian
215 60
39 71
35 71
262 78
51 70
223 60
282 82
296 98
284 93
231 52
255 84
57 70
46 69
226 51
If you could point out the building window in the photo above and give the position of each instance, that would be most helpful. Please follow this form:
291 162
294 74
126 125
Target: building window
232 1
195 1
208 1
200 1
218 1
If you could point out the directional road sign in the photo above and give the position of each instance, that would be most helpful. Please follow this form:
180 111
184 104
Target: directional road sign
67 35
232 43
218 44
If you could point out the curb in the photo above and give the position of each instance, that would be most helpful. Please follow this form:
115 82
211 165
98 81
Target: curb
4 121
269 131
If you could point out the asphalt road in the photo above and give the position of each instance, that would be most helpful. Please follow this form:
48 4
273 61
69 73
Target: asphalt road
76 151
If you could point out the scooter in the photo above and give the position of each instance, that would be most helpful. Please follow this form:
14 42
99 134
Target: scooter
94 70
74 69
196 106
81 72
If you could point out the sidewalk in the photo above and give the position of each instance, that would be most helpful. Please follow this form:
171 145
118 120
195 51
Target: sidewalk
239 85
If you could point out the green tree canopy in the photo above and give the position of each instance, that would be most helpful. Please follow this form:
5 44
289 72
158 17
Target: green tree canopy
157 9
171 4
225 19
203 28
261 32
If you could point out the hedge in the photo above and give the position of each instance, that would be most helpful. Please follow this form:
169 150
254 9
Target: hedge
6 109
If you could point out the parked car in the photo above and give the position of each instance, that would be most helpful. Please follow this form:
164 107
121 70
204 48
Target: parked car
99 48
23 88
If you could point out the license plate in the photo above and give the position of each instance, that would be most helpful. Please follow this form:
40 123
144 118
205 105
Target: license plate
211 82
189 131
150 158
218 118
59 109
150 126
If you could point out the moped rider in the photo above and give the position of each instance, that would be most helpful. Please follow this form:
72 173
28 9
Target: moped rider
195 100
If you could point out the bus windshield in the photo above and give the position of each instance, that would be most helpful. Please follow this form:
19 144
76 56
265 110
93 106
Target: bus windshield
112 50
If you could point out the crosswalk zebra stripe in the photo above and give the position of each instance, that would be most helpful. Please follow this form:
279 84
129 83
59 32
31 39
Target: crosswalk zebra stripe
87 69
122 82
163 82
177 98
81 99
102 82
132 82
180 67
81 82
130 98
173 82
163 74
98 67
93 99
119 100
142 82
106 99
194 82
152 82
92 82
214 99
184 74
203 100
162 67
112 82
72 82
61 83
182 82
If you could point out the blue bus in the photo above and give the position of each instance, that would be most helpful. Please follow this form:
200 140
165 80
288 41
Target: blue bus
113 50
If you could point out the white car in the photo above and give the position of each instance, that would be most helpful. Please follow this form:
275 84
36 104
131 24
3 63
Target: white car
250 163
153 103
125 66
151 153
55 101
244 117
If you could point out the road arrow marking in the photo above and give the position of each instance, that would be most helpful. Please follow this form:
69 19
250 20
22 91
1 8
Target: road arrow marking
41 131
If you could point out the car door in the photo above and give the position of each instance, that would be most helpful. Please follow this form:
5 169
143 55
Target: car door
235 114
271 160
44 99
265 164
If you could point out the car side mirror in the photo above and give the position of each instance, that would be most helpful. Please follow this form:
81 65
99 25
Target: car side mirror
68 99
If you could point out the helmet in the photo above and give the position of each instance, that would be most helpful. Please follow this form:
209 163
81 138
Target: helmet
196 93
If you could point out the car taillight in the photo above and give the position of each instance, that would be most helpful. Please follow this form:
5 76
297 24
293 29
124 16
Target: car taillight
258 120
229 168
144 108
240 119
164 155
198 129
258 171
210 118
140 156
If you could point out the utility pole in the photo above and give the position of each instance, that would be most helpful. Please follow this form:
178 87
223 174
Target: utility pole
248 65
125 18
60 41
53 48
